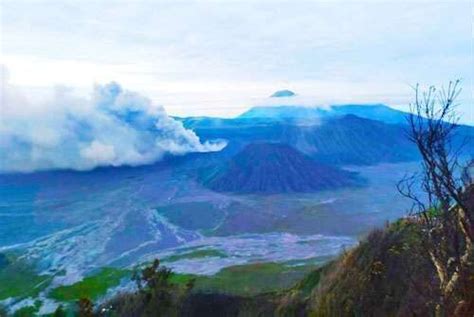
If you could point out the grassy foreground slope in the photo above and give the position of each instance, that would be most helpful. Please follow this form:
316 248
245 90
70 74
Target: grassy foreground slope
388 274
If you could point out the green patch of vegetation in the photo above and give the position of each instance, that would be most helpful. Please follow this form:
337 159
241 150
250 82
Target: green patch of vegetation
309 282
26 311
182 279
90 287
249 279
434 212
19 279
204 253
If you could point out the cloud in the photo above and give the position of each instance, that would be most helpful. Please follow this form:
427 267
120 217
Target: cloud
99 152
112 127
216 57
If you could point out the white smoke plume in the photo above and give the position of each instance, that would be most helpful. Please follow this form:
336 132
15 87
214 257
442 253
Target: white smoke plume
111 128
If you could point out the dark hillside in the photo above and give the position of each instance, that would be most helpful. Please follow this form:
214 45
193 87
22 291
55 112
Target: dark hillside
352 140
276 168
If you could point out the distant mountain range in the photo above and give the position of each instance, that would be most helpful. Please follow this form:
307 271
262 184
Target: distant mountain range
286 105
276 168
290 148
378 112
346 139
338 134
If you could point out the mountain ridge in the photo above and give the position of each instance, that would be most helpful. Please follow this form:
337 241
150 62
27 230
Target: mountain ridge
269 168
380 112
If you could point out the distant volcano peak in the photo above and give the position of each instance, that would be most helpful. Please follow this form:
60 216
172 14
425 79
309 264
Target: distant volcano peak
283 93
269 168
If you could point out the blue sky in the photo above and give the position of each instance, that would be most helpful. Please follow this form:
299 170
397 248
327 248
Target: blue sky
220 57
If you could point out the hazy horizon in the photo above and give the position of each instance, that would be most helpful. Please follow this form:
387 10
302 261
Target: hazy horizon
207 58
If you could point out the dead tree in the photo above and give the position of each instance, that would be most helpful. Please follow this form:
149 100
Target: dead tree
439 191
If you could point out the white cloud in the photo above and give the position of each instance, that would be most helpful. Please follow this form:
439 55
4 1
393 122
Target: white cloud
112 127
98 153
212 57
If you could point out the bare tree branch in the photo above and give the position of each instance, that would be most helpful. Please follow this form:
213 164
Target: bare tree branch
437 193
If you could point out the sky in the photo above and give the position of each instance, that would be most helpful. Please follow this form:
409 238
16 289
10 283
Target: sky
218 58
